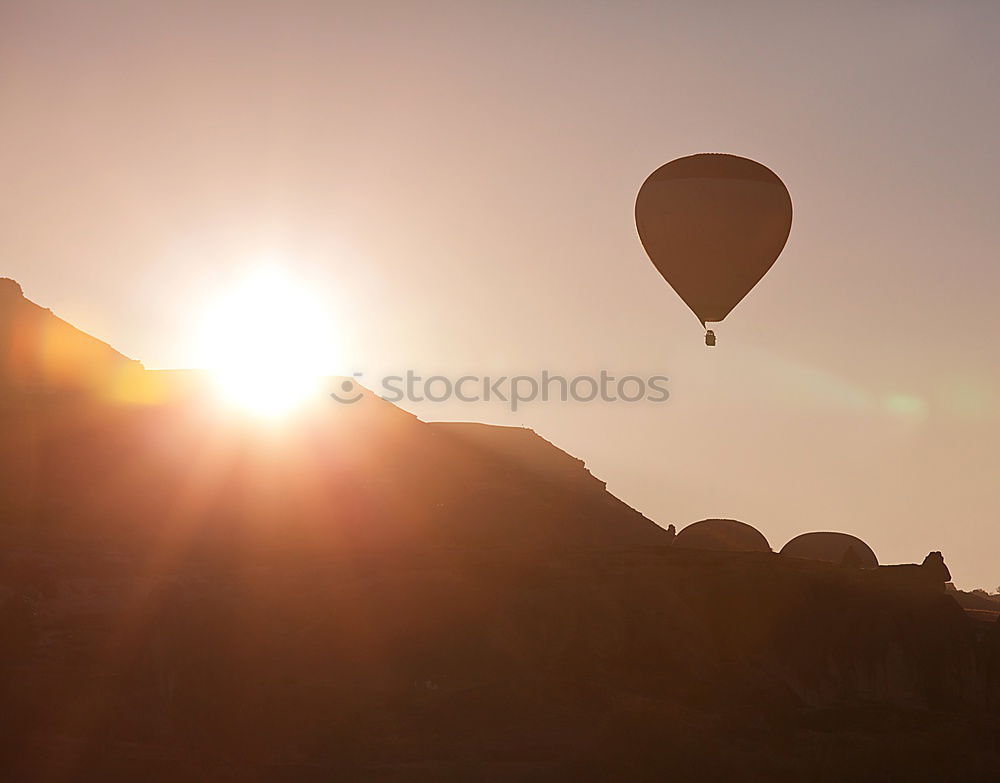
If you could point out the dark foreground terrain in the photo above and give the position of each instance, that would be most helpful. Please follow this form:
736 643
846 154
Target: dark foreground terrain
359 595
481 664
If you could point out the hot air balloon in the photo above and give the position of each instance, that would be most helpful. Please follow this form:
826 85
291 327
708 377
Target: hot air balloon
830 547
723 535
712 225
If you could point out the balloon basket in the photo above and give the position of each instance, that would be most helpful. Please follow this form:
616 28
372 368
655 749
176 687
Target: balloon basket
710 338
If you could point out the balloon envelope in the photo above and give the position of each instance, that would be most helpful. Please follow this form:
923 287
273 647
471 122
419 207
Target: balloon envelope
830 547
713 225
728 535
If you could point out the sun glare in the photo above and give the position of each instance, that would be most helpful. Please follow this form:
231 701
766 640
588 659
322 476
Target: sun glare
266 343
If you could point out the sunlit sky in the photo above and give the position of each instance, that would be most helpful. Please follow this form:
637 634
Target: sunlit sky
455 183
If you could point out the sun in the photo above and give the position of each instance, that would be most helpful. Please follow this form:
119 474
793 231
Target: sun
266 343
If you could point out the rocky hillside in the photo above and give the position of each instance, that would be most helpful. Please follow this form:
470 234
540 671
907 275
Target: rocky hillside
41 353
360 595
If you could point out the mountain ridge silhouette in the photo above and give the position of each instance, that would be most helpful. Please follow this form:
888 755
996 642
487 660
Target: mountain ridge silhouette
41 352
358 594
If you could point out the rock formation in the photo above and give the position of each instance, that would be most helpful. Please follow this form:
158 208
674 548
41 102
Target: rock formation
41 353
931 574
372 597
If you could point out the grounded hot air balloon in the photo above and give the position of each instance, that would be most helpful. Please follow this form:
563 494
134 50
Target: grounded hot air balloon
712 225
832 548
729 535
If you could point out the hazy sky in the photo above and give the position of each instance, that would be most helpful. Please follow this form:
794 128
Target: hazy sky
457 181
